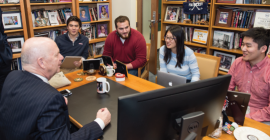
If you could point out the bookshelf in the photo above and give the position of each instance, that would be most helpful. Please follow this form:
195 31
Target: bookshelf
211 27
47 6
17 32
109 21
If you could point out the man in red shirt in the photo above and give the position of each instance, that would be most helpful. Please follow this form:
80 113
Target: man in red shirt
251 73
126 45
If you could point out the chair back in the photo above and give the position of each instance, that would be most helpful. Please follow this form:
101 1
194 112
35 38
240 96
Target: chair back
148 46
208 65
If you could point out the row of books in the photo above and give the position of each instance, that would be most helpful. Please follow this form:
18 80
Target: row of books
96 49
91 0
89 30
48 1
227 40
42 17
198 50
16 64
51 34
241 19
194 18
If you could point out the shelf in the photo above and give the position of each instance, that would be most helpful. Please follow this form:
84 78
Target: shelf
16 55
230 28
13 31
252 5
94 2
95 21
96 40
55 3
222 72
225 50
5 5
195 44
178 2
195 25
45 27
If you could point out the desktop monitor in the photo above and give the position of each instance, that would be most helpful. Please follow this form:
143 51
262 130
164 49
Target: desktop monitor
151 115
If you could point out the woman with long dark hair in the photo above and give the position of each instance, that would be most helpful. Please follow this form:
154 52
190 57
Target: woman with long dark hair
176 58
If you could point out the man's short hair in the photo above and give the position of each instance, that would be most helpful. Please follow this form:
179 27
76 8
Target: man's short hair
74 18
259 36
121 19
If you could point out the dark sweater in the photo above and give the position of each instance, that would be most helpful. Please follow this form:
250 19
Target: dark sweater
132 51
67 48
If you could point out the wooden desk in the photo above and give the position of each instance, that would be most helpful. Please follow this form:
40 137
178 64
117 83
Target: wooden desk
142 85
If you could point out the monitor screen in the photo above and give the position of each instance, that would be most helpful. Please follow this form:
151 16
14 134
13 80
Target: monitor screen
151 115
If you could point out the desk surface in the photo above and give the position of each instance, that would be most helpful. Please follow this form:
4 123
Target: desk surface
142 85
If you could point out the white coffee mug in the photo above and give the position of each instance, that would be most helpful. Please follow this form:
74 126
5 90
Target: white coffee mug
110 71
101 85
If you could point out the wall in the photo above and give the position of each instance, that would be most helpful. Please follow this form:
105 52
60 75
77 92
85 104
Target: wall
127 8
146 17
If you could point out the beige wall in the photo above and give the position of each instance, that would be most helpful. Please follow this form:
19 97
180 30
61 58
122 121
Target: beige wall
127 8
146 17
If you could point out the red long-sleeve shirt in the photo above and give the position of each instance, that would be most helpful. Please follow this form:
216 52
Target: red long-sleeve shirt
132 51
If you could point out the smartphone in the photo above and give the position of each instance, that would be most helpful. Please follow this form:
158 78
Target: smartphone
66 92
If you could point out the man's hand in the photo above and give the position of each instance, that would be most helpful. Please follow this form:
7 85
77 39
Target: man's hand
66 100
129 66
104 115
77 63
114 66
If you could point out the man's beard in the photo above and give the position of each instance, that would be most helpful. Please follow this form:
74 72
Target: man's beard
123 36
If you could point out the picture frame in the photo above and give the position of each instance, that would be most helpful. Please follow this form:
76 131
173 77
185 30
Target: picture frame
178 0
225 61
103 11
226 1
102 30
172 13
84 14
16 43
223 17
200 36
12 20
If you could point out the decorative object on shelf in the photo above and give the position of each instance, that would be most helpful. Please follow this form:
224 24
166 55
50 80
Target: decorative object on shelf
200 36
103 11
102 29
262 19
16 43
265 1
223 17
187 21
223 39
202 22
225 61
12 20
195 7
39 22
172 13
226 1
84 14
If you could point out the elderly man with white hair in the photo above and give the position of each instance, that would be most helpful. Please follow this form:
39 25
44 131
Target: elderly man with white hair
32 109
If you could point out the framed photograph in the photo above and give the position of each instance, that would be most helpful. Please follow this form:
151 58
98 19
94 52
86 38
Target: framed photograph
223 39
84 14
262 20
102 29
12 20
200 36
223 17
225 61
172 13
226 1
103 11
16 43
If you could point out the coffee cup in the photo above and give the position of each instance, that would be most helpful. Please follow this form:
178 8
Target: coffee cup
102 85
110 71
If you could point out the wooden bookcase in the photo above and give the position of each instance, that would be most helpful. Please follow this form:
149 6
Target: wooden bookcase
47 6
17 32
211 27
164 5
94 4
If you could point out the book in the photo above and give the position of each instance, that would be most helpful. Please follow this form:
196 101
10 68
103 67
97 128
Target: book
200 36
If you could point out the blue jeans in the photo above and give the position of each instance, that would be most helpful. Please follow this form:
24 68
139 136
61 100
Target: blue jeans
134 71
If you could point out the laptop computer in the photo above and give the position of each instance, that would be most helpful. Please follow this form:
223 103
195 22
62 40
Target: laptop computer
169 79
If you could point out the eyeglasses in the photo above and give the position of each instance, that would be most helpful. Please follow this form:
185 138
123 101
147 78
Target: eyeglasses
169 38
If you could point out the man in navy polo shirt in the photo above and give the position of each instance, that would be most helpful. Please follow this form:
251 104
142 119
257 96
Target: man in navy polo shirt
73 43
